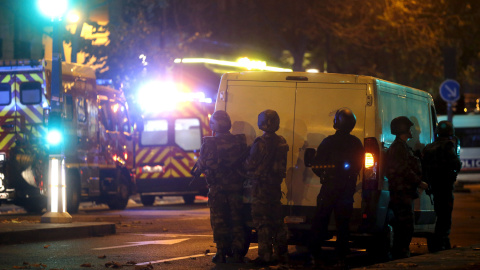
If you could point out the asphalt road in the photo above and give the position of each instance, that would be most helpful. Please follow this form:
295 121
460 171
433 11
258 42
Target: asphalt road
171 235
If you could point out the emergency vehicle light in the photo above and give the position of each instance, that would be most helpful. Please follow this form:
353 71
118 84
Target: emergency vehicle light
54 137
53 8
243 62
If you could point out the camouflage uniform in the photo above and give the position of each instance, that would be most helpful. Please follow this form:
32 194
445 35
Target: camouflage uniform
266 167
404 174
220 160
338 160
441 165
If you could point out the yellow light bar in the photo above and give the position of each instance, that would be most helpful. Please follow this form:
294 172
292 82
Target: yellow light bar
241 63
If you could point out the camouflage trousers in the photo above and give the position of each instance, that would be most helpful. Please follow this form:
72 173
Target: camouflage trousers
227 221
271 230
402 206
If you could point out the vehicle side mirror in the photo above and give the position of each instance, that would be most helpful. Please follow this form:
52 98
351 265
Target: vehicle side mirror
309 157
46 113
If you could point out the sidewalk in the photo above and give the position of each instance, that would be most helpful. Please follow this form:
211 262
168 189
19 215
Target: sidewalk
19 232
458 258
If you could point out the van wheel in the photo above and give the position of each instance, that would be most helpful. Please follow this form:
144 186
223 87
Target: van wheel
73 192
147 200
189 199
119 200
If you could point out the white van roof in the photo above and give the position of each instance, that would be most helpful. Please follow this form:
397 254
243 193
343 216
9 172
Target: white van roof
318 78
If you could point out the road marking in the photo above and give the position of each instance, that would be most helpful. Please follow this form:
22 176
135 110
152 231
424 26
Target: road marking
144 243
182 258
174 235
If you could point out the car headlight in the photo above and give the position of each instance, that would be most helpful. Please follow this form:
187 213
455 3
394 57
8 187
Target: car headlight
2 186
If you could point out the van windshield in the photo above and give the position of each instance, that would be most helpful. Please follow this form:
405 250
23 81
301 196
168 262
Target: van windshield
155 132
188 134
5 95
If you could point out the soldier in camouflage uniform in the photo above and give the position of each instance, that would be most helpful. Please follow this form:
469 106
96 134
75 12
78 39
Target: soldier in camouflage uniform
266 167
404 173
220 161
338 161
441 165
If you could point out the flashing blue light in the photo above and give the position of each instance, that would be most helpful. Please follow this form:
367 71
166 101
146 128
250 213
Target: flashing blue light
54 137
346 166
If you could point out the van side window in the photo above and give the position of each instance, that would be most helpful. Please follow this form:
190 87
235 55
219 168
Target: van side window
81 109
120 117
31 93
188 134
155 132
469 136
419 113
5 94
68 108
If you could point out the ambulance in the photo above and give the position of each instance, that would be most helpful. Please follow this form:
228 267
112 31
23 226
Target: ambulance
306 104
96 132
167 141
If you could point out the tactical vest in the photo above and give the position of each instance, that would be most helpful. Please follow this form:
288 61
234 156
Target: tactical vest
274 164
226 161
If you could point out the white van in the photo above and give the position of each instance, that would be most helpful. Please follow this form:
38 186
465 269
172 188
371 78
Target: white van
306 103
467 129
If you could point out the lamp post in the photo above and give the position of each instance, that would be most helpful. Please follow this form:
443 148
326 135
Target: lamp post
56 211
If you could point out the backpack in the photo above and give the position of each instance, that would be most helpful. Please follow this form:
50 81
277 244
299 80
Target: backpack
275 161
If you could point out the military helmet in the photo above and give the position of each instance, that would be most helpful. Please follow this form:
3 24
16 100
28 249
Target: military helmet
269 121
445 129
344 120
400 125
220 122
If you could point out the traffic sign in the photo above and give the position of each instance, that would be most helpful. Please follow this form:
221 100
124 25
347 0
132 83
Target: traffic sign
450 90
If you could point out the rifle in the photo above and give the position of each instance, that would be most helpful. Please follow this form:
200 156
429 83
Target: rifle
196 172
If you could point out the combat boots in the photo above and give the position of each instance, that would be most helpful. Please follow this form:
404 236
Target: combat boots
219 257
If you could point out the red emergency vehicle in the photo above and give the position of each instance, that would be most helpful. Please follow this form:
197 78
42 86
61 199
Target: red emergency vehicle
168 141
96 133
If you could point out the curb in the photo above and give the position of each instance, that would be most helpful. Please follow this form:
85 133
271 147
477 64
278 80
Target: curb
40 232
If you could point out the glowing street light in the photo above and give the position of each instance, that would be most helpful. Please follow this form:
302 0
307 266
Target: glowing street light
55 10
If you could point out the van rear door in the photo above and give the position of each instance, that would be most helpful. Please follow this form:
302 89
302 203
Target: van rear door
21 97
244 100
316 104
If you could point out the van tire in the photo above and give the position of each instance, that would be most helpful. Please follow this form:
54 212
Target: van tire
189 199
147 200
73 192
119 200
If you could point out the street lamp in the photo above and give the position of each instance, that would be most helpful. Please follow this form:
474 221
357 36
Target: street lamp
55 9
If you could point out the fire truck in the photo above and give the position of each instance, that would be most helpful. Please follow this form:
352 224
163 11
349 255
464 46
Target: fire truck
167 142
96 135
